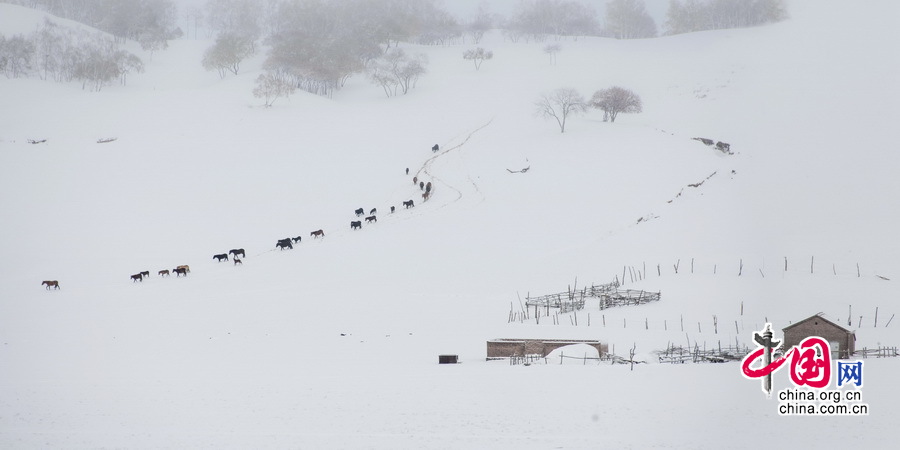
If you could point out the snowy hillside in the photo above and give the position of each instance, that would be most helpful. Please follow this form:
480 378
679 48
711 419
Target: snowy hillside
335 343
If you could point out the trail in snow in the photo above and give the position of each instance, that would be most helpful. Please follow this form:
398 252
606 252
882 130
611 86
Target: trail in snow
426 166
425 169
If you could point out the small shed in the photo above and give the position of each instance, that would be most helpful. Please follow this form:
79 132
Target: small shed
841 340
507 348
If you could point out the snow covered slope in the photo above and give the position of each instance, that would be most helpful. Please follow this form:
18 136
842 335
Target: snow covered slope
334 344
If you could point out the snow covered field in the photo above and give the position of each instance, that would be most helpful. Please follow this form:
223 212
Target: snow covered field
335 344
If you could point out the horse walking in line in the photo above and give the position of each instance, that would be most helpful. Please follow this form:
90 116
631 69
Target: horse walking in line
297 239
284 243
51 283
145 274
237 261
373 211
356 224
359 212
221 257
409 204
164 272
317 234
186 268
237 251
371 219
137 277
180 271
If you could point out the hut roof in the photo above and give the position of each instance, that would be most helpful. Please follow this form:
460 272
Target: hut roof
817 317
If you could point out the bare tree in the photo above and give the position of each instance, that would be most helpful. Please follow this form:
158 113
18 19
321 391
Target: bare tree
16 54
478 56
320 45
227 53
559 105
438 27
628 19
552 50
397 70
685 16
538 18
193 16
481 22
270 87
616 100
236 17
128 63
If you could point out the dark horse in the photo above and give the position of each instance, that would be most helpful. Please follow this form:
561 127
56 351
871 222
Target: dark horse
359 212
236 251
51 283
371 219
164 272
317 233
237 261
137 277
180 271
284 243
408 204
355 224
145 274
297 239
435 148
220 257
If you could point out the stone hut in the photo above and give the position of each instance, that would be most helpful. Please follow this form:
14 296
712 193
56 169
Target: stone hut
506 348
841 340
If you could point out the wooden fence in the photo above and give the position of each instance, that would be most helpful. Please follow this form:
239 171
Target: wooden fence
880 352
627 297
679 355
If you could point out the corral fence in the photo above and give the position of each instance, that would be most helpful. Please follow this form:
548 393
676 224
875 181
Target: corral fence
677 354
573 300
627 297
880 352
610 358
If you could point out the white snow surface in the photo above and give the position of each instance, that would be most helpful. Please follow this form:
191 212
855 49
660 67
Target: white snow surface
335 344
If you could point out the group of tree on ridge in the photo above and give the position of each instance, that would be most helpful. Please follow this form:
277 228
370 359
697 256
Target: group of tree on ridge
317 45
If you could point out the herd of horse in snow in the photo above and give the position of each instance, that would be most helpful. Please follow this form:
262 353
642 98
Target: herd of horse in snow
282 244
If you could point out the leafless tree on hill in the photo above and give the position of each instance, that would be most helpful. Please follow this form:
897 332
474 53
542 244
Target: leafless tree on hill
559 105
616 100
628 19
397 70
227 54
552 50
478 56
698 15
481 22
270 87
